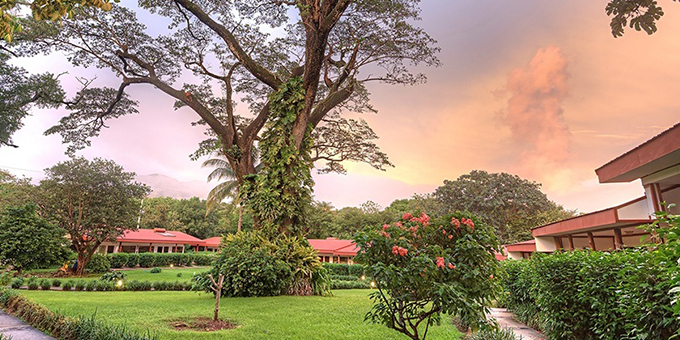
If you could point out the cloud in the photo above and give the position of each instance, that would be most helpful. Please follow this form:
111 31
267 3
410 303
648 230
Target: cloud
535 117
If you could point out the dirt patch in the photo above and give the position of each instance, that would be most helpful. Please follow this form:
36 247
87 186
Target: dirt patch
201 324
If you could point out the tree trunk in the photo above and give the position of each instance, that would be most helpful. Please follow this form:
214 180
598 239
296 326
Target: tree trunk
218 295
240 217
81 264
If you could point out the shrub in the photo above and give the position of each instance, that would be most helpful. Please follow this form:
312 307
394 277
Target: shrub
80 285
56 283
159 285
162 259
337 268
145 286
16 283
155 270
356 270
91 285
343 277
45 284
147 260
66 286
103 286
98 264
5 278
33 285
492 334
339 284
113 276
118 260
133 260
203 259
179 274
422 270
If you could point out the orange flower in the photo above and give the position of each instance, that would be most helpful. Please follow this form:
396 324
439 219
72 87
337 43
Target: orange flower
451 266
450 237
440 262
406 216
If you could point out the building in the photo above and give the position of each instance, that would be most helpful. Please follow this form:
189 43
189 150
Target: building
211 244
333 250
656 163
157 240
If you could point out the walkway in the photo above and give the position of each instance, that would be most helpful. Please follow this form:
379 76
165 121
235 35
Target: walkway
506 319
18 330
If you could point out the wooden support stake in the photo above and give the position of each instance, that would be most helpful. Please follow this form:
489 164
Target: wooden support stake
618 239
591 240
571 242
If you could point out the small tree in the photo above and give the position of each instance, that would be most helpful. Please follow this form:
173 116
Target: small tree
422 269
29 241
93 201
217 288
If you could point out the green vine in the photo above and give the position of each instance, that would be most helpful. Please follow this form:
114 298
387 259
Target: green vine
282 191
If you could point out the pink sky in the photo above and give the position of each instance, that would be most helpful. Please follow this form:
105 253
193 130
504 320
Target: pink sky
534 88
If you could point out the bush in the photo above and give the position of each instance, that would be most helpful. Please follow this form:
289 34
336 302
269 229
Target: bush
118 260
98 264
162 259
56 283
113 276
356 270
16 283
5 278
337 268
147 260
203 259
68 285
423 270
103 286
155 270
343 277
591 294
160 285
492 334
339 284
33 285
133 260
91 285
80 285
145 286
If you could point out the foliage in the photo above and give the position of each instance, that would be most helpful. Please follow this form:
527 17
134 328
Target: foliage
113 276
62 327
343 284
639 14
507 202
29 241
16 283
147 260
590 294
68 285
93 201
155 270
80 285
423 269
493 333
98 264
254 265
132 261
281 193
33 285
118 260
56 283
45 284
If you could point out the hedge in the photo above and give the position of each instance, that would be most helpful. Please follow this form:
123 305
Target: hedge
594 295
134 285
63 327
338 284
148 260
344 269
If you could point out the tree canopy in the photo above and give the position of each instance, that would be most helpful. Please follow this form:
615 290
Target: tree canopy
29 241
509 203
93 201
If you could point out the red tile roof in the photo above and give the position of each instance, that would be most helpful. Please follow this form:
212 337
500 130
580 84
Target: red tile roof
334 246
213 241
158 235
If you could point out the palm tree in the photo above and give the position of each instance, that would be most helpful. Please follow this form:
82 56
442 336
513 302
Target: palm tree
228 188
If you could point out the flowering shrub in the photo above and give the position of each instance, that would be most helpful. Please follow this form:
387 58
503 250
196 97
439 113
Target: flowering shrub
423 268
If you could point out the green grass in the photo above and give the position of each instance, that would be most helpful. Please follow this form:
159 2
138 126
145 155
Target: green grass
167 274
281 317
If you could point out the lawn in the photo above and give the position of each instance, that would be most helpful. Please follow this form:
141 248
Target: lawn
166 274
281 317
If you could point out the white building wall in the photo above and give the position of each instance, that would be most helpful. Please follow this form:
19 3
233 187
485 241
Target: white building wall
545 244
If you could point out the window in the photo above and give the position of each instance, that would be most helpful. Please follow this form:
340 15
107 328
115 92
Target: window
127 249
110 249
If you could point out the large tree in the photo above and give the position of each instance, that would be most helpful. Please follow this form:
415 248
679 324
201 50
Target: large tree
509 203
29 241
93 201
14 192
325 44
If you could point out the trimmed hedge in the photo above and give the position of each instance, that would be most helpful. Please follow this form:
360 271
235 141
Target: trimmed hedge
149 260
338 284
134 285
594 295
62 327
98 264
344 269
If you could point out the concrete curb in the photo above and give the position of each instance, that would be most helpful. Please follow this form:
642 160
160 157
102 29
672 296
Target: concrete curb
18 330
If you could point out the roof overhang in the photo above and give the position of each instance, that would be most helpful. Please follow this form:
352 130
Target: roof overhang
627 214
656 154
527 246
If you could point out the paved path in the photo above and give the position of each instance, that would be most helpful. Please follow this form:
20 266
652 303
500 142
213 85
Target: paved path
18 330
506 319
